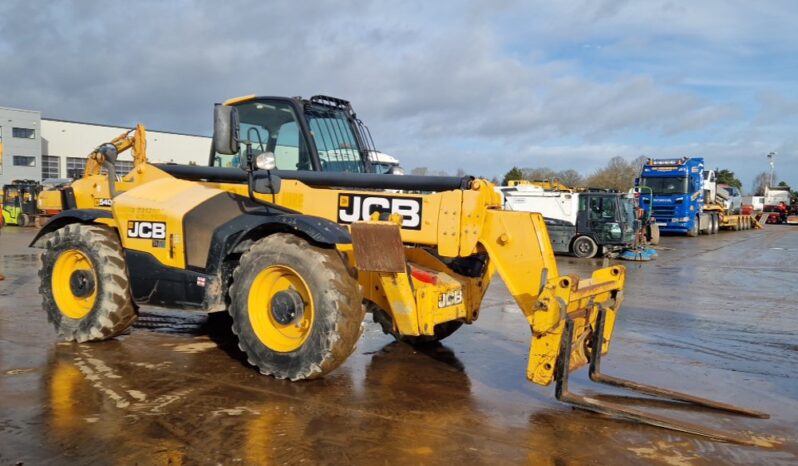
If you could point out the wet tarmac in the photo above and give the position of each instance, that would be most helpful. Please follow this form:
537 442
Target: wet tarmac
714 316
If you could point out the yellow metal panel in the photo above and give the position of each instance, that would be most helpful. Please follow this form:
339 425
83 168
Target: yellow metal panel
449 223
519 247
474 208
141 211
402 302
473 288
333 205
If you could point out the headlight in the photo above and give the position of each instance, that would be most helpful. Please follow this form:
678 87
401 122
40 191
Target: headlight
265 161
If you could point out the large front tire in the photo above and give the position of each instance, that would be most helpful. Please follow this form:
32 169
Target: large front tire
84 283
296 309
693 232
653 237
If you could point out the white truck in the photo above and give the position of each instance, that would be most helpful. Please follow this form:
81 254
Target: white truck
384 163
775 195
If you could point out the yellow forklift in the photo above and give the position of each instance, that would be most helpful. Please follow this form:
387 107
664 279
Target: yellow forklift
19 202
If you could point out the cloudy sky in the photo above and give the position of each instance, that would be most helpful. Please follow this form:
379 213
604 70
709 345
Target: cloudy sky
475 85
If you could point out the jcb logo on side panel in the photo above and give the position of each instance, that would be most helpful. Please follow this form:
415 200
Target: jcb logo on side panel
451 298
355 208
146 230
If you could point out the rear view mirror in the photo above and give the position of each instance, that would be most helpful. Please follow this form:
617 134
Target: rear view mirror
225 129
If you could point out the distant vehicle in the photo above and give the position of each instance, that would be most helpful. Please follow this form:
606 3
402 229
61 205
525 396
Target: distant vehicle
734 198
686 199
383 163
19 202
585 223
775 195
757 203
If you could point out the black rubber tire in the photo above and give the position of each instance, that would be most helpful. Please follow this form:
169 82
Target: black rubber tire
23 220
653 234
584 247
708 229
694 231
338 309
715 226
114 310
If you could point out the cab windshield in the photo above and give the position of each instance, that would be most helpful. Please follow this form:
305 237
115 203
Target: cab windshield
338 147
627 210
666 185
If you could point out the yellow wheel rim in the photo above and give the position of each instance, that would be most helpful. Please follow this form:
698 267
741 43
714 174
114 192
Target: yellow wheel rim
272 328
74 284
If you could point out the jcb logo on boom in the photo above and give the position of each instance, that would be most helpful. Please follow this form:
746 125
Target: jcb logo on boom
146 230
355 207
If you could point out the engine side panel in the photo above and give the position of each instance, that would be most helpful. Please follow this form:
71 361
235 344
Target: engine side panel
150 217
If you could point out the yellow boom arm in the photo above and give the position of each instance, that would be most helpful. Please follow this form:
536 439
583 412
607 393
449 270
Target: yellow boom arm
135 139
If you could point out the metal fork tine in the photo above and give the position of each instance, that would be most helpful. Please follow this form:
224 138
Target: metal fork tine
623 412
598 377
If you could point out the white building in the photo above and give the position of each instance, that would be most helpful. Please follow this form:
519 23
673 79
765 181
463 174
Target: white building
38 148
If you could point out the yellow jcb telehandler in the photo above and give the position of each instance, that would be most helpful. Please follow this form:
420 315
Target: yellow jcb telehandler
289 231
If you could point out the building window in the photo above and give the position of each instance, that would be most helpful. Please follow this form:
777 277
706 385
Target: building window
24 161
123 167
24 133
51 168
75 166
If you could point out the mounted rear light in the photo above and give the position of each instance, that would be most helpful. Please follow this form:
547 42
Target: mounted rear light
423 276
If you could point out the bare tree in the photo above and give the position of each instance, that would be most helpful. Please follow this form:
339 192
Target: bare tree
618 174
570 177
760 182
537 174
421 171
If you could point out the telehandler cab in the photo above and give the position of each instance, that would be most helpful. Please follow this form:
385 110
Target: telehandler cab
289 232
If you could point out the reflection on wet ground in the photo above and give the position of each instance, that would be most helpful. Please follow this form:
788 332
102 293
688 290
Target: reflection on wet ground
710 317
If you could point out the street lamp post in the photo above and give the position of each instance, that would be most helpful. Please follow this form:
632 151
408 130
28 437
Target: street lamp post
771 160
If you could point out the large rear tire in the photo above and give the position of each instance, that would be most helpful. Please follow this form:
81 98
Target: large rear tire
84 283
296 309
584 247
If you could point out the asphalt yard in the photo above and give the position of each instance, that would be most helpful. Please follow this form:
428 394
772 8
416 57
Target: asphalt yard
713 316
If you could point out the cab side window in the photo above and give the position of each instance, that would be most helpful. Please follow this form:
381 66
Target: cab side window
269 126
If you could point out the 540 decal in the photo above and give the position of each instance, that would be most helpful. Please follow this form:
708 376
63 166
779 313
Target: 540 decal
358 207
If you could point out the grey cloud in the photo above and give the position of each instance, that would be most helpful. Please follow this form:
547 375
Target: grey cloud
435 82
